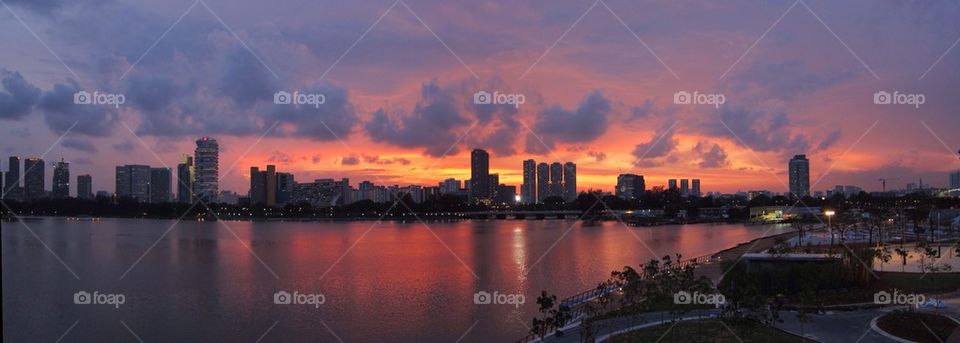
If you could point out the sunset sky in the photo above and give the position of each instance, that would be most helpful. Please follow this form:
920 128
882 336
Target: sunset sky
399 78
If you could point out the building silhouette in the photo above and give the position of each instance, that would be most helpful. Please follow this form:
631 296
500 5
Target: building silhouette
161 185
133 182
33 179
684 187
569 181
85 187
61 180
630 186
185 180
528 190
556 179
11 188
543 182
479 176
695 190
955 180
799 169
206 158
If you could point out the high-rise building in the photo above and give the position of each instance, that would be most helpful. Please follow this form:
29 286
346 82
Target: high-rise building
479 175
528 190
161 185
955 180
672 184
284 187
133 181
450 186
271 185
543 182
61 180
494 183
85 187
630 186
684 187
556 179
206 158
185 180
11 188
799 168
569 181
258 187
695 191
33 178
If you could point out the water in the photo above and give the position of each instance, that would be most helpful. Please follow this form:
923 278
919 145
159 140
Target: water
390 282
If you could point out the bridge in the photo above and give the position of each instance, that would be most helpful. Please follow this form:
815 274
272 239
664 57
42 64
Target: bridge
523 214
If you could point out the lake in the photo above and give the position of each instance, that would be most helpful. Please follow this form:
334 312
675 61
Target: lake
378 282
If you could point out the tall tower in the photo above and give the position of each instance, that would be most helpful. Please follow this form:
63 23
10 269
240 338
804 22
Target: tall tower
799 168
61 180
206 157
695 190
85 187
528 190
33 178
185 180
556 179
569 181
11 188
684 187
479 175
543 181
160 185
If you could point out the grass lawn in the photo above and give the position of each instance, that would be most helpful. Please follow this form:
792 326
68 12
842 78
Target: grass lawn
918 327
712 330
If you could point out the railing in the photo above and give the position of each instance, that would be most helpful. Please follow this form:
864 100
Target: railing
589 295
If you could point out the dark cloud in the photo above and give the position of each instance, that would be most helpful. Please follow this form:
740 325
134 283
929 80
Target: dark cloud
124 146
332 120
760 131
659 147
315 158
18 96
154 93
642 111
38 6
786 79
830 140
245 79
61 113
431 125
584 124
280 157
385 161
351 160
599 156
715 157
79 144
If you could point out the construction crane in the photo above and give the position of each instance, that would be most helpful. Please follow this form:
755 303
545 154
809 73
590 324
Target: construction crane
884 181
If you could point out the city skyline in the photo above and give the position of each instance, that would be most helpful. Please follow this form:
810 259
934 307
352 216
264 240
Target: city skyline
398 117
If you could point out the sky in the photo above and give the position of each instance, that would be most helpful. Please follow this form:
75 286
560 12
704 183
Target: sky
598 79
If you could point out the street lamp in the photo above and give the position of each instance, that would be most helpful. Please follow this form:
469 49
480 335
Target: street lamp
830 214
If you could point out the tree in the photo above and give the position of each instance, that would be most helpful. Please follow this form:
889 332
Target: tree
553 316
904 254
883 254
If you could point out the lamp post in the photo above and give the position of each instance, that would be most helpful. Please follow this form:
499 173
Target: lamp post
830 214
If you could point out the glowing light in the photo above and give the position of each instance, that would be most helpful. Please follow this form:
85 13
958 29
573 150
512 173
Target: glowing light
829 213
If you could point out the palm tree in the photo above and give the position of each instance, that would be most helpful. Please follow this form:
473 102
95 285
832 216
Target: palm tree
903 255
883 254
